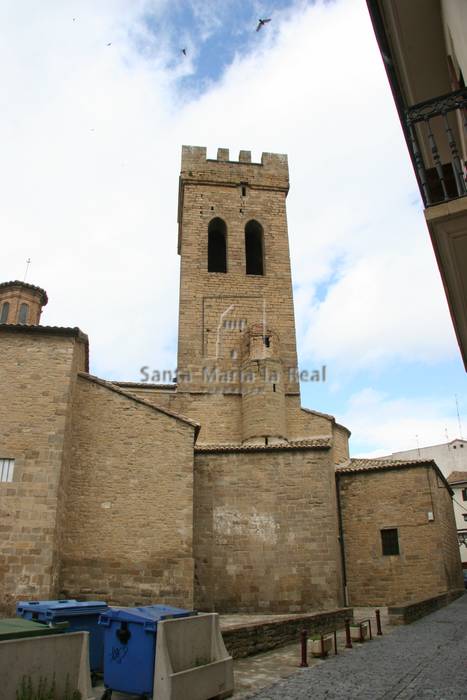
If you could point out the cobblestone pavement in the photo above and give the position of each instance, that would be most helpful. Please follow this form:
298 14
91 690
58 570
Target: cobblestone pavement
254 673
425 660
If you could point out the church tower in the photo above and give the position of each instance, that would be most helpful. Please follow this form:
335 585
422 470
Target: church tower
236 322
21 303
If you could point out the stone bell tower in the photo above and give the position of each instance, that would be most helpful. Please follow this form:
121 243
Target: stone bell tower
236 323
21 303
235 266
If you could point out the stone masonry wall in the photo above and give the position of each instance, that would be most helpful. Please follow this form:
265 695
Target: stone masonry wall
266 534
128 534
399 498
216 307
37 372
446 520
220 416
340 444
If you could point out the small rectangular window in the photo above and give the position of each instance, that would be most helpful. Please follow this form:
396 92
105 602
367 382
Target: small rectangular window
4 313
6 469
464 494
23 314
465 517
390 541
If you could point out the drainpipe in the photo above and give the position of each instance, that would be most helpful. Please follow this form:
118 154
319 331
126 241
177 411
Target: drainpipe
341 543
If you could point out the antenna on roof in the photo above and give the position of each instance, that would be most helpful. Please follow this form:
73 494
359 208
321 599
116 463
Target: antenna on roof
28 262
446 433
458 417
418 445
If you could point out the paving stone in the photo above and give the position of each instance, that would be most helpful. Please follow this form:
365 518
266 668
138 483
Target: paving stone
423 660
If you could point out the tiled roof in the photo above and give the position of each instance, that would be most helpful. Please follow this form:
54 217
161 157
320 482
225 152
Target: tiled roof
54 330
363 465
355 466
17 283
457 477
317 444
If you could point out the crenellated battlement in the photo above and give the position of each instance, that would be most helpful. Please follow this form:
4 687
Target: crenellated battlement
272 173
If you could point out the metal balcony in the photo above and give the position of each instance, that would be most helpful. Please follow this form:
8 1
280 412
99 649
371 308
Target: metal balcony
431 128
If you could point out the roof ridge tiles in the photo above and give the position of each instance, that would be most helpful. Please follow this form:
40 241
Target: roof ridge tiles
318 443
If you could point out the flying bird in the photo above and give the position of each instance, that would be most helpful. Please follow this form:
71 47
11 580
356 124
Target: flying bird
109 44
261 23
184 52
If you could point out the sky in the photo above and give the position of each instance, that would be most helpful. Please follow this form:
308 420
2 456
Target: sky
96 102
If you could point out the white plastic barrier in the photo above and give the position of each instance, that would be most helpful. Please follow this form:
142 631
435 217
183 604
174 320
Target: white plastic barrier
191 660
62 655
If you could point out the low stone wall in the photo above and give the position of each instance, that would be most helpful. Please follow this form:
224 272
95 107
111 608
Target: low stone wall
254 637
405 614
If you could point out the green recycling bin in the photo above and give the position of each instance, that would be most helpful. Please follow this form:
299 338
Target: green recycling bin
17 628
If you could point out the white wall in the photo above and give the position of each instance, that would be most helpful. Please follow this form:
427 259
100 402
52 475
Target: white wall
450 456
460 509
455 18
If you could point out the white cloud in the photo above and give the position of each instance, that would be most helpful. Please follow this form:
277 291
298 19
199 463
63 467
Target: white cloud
396 424
90 168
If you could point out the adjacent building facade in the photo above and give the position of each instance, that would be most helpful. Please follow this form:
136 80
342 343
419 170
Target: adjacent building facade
458 482
218 491
449 456
424 48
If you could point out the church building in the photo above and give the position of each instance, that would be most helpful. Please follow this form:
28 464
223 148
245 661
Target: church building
218 491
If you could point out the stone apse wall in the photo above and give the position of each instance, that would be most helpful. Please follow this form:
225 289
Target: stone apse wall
266 531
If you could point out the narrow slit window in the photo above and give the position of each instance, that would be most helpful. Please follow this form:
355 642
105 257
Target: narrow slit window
23 314
464 494
5 312
390 541
254 253
6 470
217 246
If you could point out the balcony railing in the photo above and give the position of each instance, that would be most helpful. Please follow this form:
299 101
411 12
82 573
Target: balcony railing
445 177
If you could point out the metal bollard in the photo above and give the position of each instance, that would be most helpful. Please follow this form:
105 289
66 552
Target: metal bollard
348 639
303 644
378 622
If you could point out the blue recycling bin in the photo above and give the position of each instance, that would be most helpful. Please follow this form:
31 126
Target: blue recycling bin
130 646
82 616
